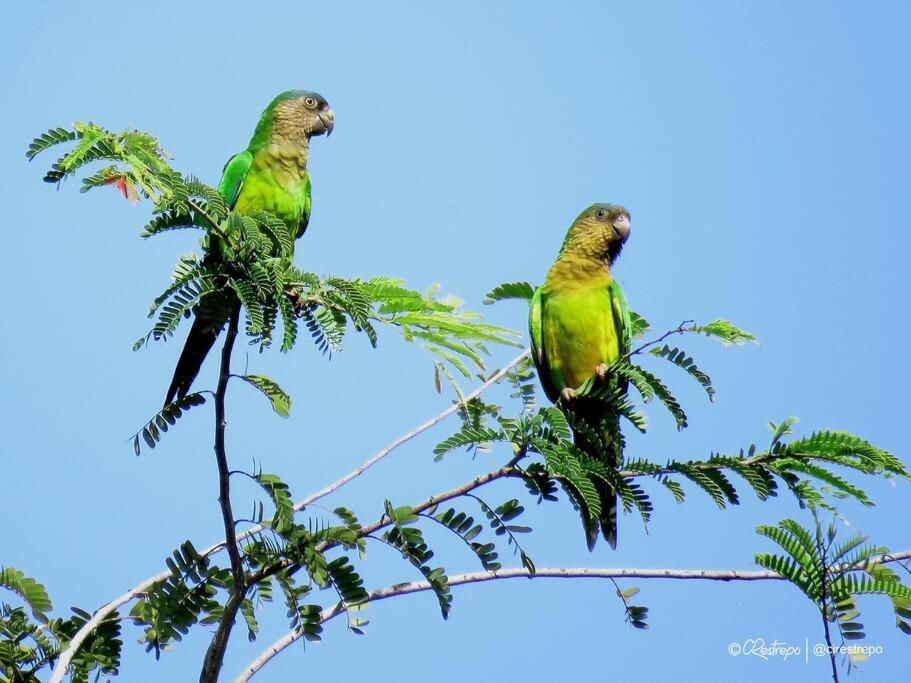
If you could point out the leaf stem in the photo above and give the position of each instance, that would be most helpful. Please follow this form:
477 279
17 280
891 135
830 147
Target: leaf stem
680 329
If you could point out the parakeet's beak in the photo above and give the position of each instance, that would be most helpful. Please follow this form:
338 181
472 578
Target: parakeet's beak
327 118
621 227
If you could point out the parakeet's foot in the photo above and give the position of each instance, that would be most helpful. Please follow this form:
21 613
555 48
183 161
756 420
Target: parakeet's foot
602 372
567 394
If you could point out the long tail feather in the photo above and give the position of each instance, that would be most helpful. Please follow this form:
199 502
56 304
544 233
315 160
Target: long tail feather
199 342
608 424
608 519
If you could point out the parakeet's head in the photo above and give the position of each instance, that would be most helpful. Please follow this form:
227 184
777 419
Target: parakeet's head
297 115
600 232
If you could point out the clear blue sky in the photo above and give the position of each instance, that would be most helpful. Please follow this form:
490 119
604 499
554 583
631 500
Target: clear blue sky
762 149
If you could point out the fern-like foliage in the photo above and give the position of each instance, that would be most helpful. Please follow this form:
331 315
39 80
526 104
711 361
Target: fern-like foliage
188 596
410 541
832 573
246 264
547 455
510 290
278 397
33 593
248 257
31 640
164 419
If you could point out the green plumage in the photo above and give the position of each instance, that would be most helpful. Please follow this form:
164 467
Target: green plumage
580 321
270 175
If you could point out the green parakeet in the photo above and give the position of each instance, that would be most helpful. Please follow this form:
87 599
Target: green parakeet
580 324
270 175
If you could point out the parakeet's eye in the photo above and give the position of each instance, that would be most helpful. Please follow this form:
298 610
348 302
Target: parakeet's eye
600 214
310 102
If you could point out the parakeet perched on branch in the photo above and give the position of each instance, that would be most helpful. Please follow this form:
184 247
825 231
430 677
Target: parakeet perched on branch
580 325
270 175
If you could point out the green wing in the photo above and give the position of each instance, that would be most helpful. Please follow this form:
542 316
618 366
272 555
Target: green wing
621 316
305 214
538 354
232 176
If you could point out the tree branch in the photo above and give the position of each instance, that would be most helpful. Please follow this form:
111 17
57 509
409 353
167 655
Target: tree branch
384 521
542 572
334 486
66 655
216 652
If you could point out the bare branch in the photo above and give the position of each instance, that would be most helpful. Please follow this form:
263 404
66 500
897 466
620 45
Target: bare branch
542 572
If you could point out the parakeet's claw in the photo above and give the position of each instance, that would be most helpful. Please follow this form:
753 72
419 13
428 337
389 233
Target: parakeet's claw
567 394
602 372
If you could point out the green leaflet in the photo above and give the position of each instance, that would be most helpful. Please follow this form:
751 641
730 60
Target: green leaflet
278 397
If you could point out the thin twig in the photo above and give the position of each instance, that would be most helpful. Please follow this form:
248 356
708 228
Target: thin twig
66 655
541 572
680 329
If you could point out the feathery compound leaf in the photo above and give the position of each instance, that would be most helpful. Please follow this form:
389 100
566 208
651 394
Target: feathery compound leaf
786 567
638 325
140 166
849 450
410 541
499 519
724 331
900 605
510 290
277 230
191 287
556 420
52 137
796 542
465 527
281 402
680 359
821 473
172 606
173 220
289 323
468 436
32 592
188 274
779 431
326 327
253 306
164 419
757 476
278 492
712 481
249 613
650 386
99 654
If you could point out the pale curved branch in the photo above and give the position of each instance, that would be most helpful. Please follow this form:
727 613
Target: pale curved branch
542 572
356 472
66 655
